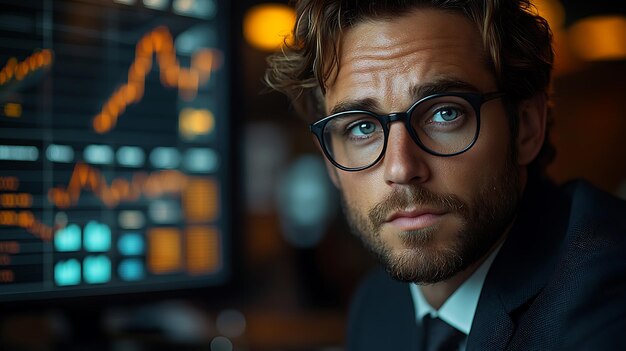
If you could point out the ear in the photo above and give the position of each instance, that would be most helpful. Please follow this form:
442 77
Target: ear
531 133
330 168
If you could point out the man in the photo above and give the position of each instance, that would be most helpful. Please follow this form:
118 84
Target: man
433 115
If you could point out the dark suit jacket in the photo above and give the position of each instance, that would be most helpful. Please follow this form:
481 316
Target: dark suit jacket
558 282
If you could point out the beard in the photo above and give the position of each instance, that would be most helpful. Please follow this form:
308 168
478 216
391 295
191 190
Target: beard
484 219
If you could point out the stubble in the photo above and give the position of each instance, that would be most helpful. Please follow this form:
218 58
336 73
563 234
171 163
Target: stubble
483 219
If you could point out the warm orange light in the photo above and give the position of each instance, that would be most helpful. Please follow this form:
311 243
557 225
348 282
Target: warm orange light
23 200
188 82
47 57
599 38
200 200
9 183
26 220
552 11
164 250
204 62
129 93
13 110
266 26
203 251
19 70
195 122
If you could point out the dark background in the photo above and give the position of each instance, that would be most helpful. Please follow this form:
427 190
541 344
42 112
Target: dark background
285 295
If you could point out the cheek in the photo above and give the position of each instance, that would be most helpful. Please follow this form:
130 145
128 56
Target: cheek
467 173
360 190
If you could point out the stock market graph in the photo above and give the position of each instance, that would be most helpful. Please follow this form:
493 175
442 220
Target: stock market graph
114 150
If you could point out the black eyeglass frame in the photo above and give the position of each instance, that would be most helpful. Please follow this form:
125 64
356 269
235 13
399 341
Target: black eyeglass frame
474 99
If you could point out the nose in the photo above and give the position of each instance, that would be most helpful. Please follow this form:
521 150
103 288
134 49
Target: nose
404 162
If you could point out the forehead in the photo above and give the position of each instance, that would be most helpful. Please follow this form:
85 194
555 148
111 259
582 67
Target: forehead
386 59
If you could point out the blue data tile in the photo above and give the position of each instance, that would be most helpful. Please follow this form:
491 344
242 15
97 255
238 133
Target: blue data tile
97 269
97 237
131 244
131 269
67 239
67 272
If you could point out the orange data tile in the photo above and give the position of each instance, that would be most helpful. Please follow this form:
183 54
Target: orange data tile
200 200
203 250
6 276
164 250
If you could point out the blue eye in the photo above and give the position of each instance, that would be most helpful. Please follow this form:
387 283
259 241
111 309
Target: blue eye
447 114
362 128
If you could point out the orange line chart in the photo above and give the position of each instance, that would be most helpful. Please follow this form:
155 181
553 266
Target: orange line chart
19 70
157 43
26 219
199 196
87 178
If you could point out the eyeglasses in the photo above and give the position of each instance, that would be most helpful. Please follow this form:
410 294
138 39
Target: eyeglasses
441 124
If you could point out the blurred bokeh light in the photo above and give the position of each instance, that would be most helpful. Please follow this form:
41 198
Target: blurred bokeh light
266 26
599 38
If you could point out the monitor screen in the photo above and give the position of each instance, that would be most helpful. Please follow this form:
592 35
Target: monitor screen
114 146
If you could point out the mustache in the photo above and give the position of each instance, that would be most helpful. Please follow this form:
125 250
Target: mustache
401 199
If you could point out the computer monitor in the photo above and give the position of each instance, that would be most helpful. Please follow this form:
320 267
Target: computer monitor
115 150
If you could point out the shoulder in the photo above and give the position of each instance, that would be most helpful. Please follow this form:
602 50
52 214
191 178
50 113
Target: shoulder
596 231
561 274
591 207
592 269
381 313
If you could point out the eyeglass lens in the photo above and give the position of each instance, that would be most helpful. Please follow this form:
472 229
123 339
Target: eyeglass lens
444 125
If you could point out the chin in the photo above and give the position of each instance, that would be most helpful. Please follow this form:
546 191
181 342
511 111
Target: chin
423 265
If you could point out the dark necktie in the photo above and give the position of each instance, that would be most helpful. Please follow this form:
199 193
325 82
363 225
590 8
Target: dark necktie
440 336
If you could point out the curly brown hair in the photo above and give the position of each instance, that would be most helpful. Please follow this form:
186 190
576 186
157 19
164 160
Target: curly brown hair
517 42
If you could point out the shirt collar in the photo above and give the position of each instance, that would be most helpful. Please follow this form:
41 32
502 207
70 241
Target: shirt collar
460 307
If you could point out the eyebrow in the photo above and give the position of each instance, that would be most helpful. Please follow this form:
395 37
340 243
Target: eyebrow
367 104
443 85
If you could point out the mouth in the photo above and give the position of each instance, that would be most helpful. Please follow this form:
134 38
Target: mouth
414 219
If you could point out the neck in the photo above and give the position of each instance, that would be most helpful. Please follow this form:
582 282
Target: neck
436 294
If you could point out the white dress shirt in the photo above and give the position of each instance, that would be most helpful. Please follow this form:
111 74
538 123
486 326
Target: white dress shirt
459 309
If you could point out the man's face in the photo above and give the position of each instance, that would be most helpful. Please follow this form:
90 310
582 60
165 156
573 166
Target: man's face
427 217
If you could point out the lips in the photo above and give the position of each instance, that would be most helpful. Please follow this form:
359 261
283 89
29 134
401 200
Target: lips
414 219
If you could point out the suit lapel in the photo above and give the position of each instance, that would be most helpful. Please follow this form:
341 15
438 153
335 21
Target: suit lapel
492 327
522 266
